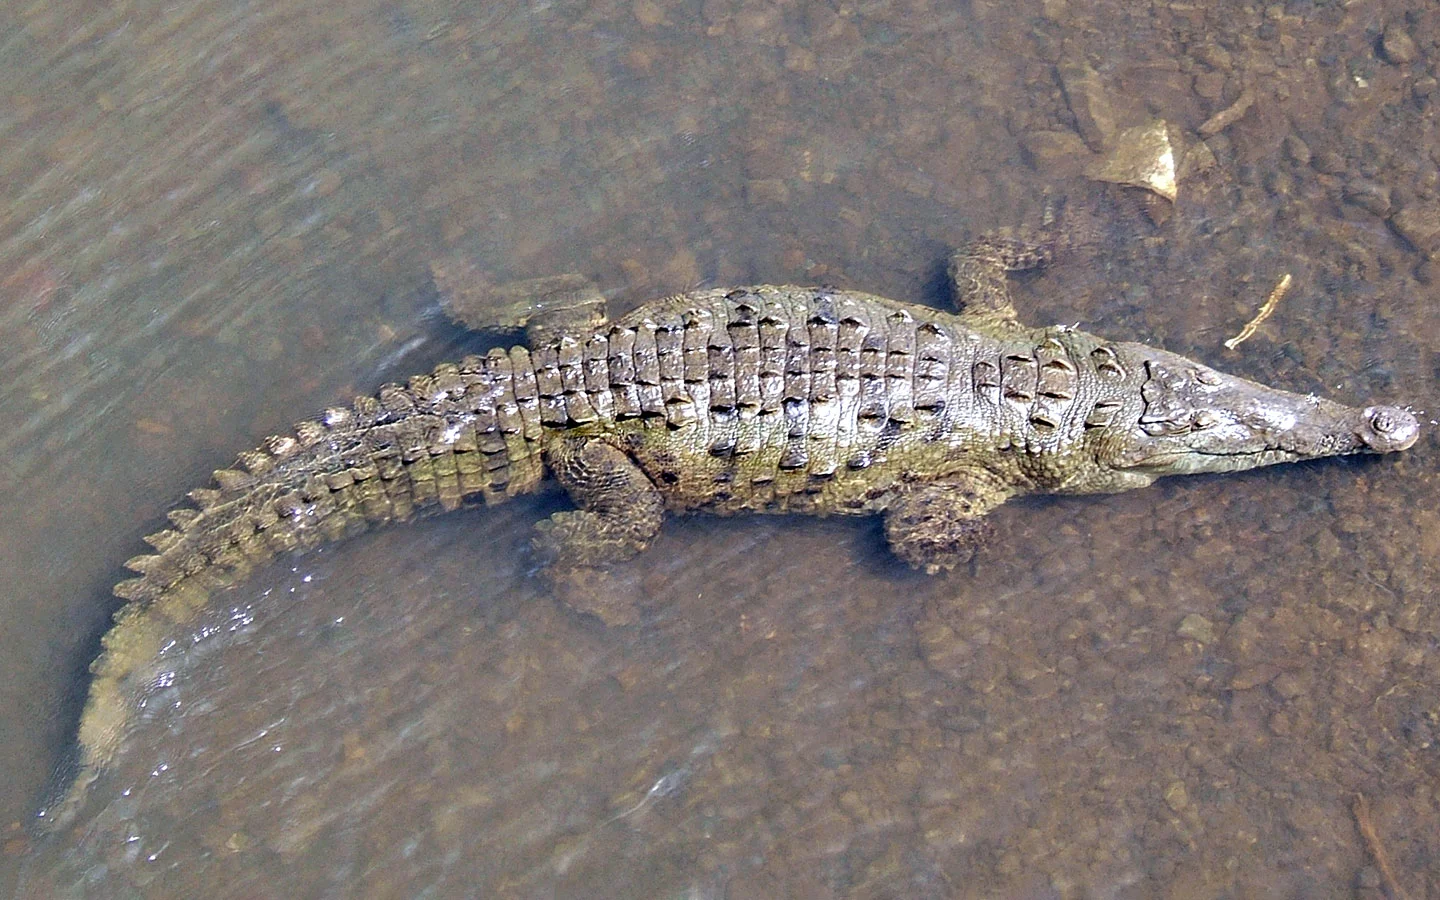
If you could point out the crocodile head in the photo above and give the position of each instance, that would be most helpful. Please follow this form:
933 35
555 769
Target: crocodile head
1193 419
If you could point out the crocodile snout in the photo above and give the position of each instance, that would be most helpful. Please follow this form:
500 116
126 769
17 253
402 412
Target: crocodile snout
1386 429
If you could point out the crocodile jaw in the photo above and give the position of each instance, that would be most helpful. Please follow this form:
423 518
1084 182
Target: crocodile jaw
1194 420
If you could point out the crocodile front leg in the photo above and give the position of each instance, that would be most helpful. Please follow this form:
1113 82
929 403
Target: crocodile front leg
938 525
620 513
978 273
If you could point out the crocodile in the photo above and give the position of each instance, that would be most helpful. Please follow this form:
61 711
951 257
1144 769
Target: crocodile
765 399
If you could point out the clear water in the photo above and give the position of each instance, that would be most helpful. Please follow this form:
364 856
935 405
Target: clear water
220 218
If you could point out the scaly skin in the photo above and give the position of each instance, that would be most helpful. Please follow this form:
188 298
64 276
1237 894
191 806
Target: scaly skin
771 399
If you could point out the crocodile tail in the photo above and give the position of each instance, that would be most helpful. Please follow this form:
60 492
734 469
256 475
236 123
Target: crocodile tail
467 433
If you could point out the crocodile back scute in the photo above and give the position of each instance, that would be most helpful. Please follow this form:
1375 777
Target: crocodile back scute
797 398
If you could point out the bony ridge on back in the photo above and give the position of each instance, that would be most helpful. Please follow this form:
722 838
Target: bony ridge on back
764 399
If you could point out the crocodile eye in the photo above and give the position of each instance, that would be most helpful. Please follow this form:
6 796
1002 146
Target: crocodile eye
1205 376
1206 419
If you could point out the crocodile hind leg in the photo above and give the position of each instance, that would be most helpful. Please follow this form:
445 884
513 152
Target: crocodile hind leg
935 527
541 307
620 513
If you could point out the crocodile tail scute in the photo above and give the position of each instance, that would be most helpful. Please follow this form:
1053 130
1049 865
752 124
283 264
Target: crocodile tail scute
457 436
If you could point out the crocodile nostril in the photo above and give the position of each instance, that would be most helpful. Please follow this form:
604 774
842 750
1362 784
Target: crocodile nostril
1390 429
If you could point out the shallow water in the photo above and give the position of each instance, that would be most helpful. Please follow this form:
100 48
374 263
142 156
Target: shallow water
221 219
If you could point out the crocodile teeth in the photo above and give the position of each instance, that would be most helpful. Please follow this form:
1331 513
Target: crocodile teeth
183 518
204 497
232 479
256 462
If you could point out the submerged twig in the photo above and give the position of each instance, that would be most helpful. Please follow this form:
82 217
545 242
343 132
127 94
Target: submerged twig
1265 310
1361 808
1229 115
665 786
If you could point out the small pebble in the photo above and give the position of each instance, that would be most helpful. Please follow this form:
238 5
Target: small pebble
1420 225
1397 46
1296 150
1197 628
1369 196
1176 796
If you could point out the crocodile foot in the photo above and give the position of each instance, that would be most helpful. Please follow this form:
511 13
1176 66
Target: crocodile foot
595 591
938 526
